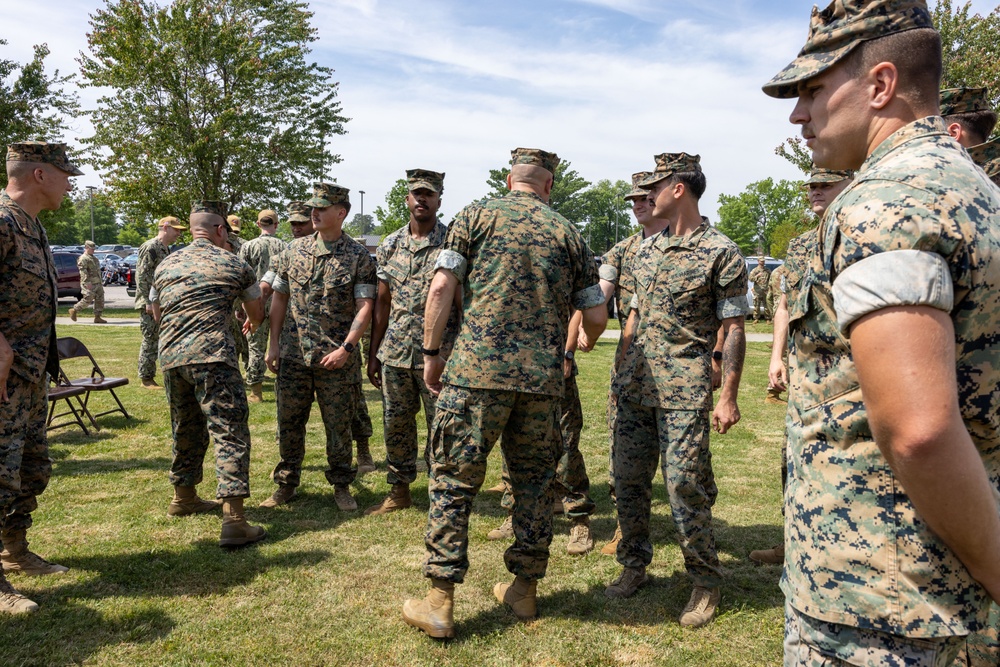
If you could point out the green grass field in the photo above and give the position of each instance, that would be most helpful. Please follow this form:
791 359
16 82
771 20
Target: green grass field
327 587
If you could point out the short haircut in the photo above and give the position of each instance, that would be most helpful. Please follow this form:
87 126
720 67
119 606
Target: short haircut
18 169
917 56
345 204
694 181
977 124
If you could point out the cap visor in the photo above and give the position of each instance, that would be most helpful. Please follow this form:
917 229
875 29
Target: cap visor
316 202
298 218
423 185
649 182
785 84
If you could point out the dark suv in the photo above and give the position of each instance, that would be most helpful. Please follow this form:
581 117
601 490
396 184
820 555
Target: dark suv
68 274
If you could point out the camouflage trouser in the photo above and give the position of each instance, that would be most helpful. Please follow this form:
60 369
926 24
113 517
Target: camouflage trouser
242 349
257 344
571 484
338 399
760 305
208 399
25 466
403 389
148 355
91 294
770 303
813 643
983 648
612 417
361 425
467 423
679 439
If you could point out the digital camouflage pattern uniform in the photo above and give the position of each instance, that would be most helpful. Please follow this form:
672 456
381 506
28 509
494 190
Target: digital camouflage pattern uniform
406 265
196 288
324 281
150 254
27 320
760 277
258 253
91 285
523 268
774 289
937 244
685 286
987 156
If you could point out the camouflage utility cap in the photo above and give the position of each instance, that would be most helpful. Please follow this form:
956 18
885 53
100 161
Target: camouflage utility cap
828 176
836 30
987 156
268 214
299 211
637 178
328 194
668 164
536 157
235 224
41 151
89 244
964 100
171 221
218 208
424 178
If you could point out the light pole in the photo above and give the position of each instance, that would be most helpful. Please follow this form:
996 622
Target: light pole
362 193
90 195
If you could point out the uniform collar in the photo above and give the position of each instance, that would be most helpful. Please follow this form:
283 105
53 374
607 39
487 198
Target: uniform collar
523 194
918 129
434 238
320 248
689 241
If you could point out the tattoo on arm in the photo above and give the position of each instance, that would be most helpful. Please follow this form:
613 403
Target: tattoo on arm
355 325
733 352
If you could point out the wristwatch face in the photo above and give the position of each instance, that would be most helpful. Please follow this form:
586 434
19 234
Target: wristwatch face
349 347
568 354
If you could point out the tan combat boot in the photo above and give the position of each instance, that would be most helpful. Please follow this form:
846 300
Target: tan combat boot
772 556
611 548
186 502
365 462
256 393
150 384
284 494
505 531
72 314
12 602
236 532
520 596
497 488
580 539
342 496
701 607
99 320
627 583
435 614
774 396
398 499
17 558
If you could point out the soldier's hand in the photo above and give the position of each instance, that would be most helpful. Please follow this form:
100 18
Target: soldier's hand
272 359
335 359
725 415
433 368
149 310
375 372
777 375
248 327
583 343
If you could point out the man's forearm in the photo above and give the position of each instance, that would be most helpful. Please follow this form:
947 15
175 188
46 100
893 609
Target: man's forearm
439 299
279 306
380 319
779 341
574 330
362 318
734 351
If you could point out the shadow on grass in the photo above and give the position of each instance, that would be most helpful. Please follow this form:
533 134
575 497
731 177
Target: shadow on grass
111 427
81 631
201 569
66 467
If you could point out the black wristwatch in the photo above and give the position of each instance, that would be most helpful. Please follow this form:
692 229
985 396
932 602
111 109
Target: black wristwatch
430 353
568 354
717 355
348 346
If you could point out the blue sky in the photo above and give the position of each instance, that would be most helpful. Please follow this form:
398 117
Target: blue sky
453 85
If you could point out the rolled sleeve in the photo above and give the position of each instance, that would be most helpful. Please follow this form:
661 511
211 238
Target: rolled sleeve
634 303
896 278
609 273
364 291
269 277
588 298
736 306
251 293
154 296
280 286
381 274
454 262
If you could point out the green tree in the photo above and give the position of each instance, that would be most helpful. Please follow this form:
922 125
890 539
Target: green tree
607 218
787 231
363 224
567 187
70 224
970 45
751 217
210 99
794 150
395 214
33 105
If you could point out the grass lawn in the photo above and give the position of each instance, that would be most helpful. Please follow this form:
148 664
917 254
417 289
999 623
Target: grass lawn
328 587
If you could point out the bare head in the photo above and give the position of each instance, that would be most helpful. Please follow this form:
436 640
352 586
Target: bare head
209 226
531 178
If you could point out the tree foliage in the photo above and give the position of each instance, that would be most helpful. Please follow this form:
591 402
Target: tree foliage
395 214
209 99
751 217
794 150
70 224
565 198
607 218
362 225
970 45
33 105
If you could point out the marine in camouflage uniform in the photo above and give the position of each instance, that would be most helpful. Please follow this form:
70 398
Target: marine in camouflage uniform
28 292
258 253
868 579
774 288
687 284
149 256
522 268
760 277
91 285
325 286
406 261
194 291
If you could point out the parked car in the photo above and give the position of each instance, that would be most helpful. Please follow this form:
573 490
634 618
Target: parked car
68 275
120 250
770 263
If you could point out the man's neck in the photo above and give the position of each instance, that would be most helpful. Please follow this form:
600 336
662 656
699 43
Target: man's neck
654 226
331 235
686 220
266 232
32 205
419 230
162 238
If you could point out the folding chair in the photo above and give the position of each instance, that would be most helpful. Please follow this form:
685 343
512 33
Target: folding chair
71 348
63 392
